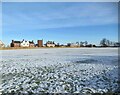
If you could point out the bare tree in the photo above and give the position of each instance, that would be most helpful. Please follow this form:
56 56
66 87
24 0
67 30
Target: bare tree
104 42
81 43
77 43
86 43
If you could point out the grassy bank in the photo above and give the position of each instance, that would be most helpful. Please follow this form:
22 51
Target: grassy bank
13 48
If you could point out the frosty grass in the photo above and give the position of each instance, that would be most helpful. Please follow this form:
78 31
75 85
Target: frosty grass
67 70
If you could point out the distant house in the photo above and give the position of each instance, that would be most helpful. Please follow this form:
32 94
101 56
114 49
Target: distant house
22 43
15 43
2 44
50 44
31 44
73 45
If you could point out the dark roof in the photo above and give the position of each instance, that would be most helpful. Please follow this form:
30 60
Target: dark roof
31 42
50 42
16 41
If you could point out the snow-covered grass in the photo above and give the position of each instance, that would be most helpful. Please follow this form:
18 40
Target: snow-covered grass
61 70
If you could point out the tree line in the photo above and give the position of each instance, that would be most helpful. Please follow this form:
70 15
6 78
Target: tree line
103 43
107 43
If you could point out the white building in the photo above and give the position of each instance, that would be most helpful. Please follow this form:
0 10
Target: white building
24 43
2 44
73 45
50 44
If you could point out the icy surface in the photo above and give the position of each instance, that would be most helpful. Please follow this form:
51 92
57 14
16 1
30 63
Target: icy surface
63 70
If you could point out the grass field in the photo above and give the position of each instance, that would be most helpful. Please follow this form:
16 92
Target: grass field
59 70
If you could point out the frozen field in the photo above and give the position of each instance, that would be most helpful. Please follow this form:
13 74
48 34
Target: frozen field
73 70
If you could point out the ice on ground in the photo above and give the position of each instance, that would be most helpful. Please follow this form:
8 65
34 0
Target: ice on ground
71 70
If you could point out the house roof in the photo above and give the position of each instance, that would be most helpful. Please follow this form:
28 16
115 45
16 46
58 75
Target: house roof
50 42
16 41
31 42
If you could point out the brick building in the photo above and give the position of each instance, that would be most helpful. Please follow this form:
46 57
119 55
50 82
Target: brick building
40 43
15 43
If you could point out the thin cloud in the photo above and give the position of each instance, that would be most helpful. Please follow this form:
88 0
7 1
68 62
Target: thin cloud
72 16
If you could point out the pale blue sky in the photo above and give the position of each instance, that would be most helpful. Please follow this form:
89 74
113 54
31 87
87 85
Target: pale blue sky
61 22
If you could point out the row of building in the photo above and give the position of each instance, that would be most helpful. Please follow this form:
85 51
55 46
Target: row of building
25 43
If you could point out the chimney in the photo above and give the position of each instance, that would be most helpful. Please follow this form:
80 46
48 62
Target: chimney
12 41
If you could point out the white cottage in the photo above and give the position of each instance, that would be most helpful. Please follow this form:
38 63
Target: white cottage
74 45
24 43
50 44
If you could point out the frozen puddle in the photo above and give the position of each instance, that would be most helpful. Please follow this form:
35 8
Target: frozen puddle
76 70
